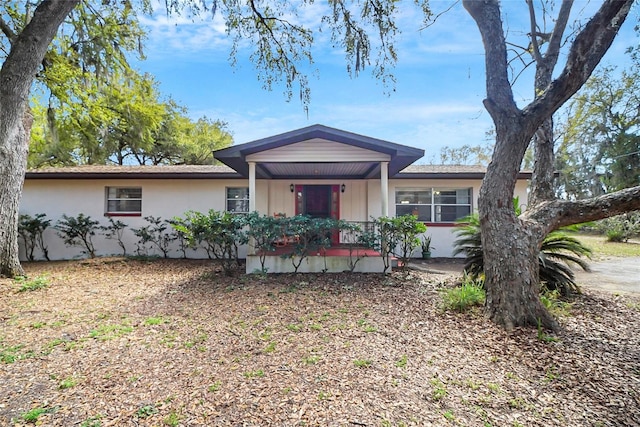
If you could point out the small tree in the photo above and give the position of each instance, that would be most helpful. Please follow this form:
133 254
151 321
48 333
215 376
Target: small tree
78 231
386 239
115 230
154 234
31 230
356 240
407 228
299 226
180 226
263 231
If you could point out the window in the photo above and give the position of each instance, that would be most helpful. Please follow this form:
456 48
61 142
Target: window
124 200
434 204
238 200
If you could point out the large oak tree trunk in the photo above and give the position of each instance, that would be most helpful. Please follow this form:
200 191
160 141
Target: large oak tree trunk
510 244
16 77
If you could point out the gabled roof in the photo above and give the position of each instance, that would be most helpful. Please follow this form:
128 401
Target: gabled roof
400 156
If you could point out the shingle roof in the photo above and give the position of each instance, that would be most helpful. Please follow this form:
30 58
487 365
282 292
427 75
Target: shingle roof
449 172
150 172
222 171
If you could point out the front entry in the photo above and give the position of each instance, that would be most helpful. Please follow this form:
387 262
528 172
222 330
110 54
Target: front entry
319 201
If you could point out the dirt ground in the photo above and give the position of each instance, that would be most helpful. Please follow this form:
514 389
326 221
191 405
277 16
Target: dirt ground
117 342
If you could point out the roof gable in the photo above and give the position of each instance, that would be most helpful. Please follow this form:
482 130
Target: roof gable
400 156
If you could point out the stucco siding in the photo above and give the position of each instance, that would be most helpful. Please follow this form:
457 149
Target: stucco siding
160 198
167 198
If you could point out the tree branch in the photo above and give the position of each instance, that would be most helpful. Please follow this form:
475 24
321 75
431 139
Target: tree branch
534 38
586 52
558 31
554 214
7 31
499 93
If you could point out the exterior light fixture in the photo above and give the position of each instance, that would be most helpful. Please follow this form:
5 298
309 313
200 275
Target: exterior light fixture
292 188
342 188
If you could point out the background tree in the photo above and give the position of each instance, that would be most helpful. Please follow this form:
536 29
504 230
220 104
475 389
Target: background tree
280 45
601 141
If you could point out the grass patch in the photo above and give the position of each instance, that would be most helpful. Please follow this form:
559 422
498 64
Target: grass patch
28 285
254 374
109 332
35 413
68 383
214 387
439 389
153 321
362 363
600 247
13 353
402 362
92 422
464 297
146 411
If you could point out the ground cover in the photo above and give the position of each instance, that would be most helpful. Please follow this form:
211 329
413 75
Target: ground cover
118 342
602 248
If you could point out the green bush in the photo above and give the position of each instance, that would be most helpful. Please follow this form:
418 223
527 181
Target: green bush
462 298
219 233
155 235
31 231
620 228
78 231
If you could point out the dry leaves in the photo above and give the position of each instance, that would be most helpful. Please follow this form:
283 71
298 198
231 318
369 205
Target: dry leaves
115 342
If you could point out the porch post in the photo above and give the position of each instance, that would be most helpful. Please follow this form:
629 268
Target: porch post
384 188
252 186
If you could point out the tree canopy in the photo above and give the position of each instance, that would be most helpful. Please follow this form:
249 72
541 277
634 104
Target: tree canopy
600 146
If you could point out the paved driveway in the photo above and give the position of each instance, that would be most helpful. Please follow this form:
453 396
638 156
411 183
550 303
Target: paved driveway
614 274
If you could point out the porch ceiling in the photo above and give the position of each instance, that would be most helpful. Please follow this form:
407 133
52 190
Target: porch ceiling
349 170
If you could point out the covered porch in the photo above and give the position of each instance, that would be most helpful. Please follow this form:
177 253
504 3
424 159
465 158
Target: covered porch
320 172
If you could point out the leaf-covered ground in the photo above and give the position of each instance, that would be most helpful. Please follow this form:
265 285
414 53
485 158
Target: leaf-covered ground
116 342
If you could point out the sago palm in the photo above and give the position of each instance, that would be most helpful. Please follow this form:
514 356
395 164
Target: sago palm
558 252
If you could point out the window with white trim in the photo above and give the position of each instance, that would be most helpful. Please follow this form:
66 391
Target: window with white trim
238 199
123 200
434 204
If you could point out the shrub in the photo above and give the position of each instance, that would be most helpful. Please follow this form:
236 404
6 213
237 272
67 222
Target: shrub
78 231
264 230
31 230
558 252
220 233
620 228
155 235
115 230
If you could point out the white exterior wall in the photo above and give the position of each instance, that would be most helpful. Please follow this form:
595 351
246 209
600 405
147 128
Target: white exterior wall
442 236
168 198
160 198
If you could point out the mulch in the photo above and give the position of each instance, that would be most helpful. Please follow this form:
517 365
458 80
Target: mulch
118 342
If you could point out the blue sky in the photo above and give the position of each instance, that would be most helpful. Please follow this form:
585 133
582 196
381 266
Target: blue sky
437 100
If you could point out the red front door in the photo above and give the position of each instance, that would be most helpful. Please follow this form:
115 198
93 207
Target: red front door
319 201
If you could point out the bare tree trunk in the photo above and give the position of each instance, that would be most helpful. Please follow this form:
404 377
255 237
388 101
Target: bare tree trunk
16 77
510 245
